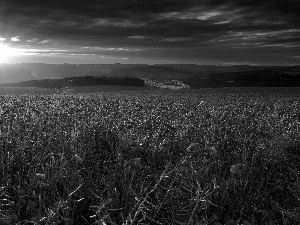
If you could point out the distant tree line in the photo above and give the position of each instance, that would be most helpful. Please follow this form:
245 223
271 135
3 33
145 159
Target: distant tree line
142 69
78 81
261 78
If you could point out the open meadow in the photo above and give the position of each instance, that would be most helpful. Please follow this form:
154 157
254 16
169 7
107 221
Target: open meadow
207 156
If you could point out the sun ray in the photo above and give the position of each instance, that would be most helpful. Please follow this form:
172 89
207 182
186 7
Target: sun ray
7 53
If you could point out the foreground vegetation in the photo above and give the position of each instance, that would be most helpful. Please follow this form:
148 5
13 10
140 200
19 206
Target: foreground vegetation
152 158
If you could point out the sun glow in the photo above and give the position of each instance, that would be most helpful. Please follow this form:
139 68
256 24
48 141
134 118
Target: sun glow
7 53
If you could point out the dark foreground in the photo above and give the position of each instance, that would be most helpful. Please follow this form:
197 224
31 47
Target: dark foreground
211 156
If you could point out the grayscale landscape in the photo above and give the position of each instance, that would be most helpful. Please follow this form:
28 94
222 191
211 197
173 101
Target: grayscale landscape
136 112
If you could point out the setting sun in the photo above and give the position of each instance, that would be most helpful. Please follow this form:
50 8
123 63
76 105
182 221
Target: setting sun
7 53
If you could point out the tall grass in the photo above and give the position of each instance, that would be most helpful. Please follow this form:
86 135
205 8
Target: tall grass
156 158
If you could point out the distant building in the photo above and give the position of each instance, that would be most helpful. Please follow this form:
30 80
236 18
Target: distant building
173 84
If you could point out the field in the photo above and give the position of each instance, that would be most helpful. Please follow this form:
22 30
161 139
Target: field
210 156
17 91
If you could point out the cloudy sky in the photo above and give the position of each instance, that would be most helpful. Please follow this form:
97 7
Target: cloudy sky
151 31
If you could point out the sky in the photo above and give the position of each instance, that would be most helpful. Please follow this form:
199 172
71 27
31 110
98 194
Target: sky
204 32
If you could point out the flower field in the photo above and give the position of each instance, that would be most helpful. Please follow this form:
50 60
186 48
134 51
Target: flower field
196 157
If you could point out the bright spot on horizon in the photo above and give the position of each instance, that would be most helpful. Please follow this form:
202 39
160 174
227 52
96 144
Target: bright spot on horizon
7 53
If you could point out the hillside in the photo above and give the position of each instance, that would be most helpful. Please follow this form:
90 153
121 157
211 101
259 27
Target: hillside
196 76
12 73
78 82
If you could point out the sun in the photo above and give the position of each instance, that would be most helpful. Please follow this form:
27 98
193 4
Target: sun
7 53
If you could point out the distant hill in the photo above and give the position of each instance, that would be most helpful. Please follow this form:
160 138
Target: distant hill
78 82
196 76
12 73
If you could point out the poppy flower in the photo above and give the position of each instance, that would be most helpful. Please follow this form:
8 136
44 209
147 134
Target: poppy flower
136 163
246 222
235 170
211 150
40 176
236 157
77 159
133 144
241 166
231 222
255 170
276 208
263 213
278 188
137 150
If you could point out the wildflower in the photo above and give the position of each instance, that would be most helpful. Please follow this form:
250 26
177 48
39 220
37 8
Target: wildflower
255 170
137 150
128 163
275 206
21 192
50 167
14 219
133 144
77 159
136 163
263 213
241 166
211 150
278 188
69 221
235 170
236 157
40 176
246 222
231 222
45 186
31 204
273 202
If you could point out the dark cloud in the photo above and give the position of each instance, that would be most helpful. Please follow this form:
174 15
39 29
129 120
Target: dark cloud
181 30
